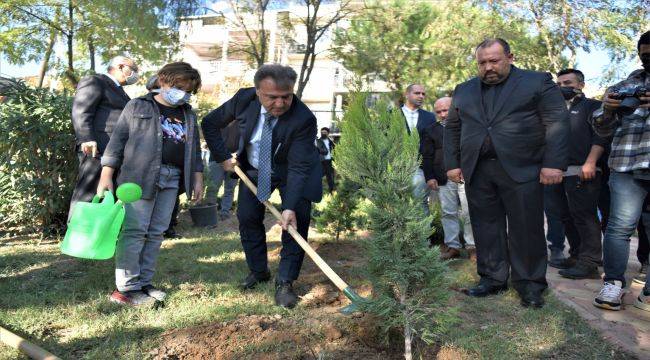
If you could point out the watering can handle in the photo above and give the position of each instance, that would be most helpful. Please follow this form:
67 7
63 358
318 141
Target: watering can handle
109 199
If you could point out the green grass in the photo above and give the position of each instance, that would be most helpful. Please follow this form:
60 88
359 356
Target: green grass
61 304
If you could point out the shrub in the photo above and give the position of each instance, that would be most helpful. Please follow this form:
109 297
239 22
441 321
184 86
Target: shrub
39 165
410 285
337 212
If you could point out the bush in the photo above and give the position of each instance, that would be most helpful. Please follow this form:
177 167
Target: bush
410 283
39 165
337 213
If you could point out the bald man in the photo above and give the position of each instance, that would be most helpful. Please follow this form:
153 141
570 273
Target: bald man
452 197
97 105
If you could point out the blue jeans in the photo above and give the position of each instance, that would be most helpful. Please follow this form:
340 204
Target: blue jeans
218 176
627 196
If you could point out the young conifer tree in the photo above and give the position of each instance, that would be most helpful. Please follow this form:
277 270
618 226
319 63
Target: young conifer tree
337 213
410 285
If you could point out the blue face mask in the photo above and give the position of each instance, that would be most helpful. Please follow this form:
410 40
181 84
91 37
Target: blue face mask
174 96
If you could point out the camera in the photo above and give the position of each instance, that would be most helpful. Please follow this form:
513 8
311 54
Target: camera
630 97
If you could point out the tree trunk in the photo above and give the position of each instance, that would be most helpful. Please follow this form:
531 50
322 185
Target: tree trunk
46 58
408 336
91 54
70 71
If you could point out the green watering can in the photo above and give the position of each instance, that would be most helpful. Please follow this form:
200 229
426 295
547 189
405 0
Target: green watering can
94 226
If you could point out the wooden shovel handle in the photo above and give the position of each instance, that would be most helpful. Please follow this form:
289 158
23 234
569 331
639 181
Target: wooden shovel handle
296 236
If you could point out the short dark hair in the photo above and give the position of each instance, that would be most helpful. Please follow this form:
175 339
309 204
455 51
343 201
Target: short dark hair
410 87
578 73
491 41
643 40
325 128
283 76
176 73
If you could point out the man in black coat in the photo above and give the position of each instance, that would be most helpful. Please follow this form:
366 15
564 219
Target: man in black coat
507 134
97 105
276 150
326 147
575 200
419 120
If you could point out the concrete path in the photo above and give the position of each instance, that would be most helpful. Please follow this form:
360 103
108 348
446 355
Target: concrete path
628 328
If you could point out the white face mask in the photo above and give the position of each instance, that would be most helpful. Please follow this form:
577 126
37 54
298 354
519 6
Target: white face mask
133 78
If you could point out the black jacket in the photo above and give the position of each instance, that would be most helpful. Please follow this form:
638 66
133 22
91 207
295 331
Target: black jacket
97 105
135 147
426 120
530 129
295 158
432 149
583 135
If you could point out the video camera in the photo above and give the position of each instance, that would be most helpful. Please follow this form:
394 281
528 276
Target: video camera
630 97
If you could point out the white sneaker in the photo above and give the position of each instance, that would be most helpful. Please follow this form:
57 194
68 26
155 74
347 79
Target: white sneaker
610 296
154 293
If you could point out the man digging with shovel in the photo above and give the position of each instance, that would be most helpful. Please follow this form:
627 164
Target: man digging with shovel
276 150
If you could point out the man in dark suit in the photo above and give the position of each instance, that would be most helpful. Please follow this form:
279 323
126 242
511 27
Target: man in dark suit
507 134
325 147
97 105
417 119
276 150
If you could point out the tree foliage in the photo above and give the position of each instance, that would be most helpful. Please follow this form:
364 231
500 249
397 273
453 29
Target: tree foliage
409 280
38 166
144 29
403 42
567 26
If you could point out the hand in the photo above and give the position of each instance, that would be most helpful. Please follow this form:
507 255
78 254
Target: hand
197 192
455 175
645 100
229 164
550 176
433 184
105 183
288 219
609 103
588 171
89 148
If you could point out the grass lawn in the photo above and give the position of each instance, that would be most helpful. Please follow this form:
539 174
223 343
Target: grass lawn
61 304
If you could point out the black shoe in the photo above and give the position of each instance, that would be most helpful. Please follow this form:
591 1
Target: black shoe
563 264
171 234
482 290
284 295
581 270
532 299
253 279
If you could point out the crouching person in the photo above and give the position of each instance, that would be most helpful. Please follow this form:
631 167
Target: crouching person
154 144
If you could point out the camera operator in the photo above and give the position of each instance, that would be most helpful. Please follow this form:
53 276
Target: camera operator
625 115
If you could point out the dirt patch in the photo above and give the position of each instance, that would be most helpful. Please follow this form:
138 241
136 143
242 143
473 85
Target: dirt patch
274 337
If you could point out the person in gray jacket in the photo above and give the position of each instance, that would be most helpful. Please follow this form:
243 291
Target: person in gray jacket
154 144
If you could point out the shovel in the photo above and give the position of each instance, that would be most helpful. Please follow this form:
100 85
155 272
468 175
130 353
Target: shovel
322 265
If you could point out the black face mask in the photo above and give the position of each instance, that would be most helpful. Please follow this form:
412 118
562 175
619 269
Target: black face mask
645 60
569 92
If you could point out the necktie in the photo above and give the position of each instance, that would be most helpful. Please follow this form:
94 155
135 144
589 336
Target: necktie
264 159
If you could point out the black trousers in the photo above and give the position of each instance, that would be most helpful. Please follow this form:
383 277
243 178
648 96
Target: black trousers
90 169
328 171
643 251
508 224
250 213
576 203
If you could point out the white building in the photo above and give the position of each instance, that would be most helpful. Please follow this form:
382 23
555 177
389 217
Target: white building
212 44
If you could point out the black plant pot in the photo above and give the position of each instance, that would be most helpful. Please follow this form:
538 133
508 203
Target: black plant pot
204 215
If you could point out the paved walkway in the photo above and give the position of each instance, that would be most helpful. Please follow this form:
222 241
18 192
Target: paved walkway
628 328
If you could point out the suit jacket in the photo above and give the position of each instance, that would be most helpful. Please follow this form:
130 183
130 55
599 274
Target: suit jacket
295 158
432 149
97 105
426 120
529 129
